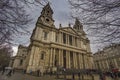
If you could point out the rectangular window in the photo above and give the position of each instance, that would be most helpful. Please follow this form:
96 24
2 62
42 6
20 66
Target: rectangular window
70 40
64 38
56 38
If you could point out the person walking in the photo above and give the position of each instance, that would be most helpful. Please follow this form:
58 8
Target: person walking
10 72
13 70
102 76
38 72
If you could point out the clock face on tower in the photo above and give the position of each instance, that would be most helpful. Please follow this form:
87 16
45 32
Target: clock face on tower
47 21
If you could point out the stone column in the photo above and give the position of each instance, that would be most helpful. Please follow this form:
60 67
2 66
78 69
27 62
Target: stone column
115 62
69 59
107 66
86 61
31 56
90 59
51 50
34 60
31 60
74 59
103 65
37 57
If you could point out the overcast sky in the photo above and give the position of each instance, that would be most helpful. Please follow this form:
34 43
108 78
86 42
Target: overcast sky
61 15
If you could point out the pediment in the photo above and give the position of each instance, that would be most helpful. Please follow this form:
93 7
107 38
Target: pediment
69 30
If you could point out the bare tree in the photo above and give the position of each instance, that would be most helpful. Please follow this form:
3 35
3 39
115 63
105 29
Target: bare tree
101 17
14 18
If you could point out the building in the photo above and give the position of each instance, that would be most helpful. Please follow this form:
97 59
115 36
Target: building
51 47
11 61
20 58
108 58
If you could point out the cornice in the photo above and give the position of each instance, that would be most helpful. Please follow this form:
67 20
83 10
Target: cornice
39 43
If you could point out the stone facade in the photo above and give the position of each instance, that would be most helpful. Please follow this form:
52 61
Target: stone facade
11 61
63 47
108 58
20 58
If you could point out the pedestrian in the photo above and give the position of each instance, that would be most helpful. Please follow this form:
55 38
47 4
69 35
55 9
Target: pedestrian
30 71
79 75
9 73
115 75
24 71
101 76
73 76
112 75
13 70
50 71
104 76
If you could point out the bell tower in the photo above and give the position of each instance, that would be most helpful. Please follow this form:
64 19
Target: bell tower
46 16
78 26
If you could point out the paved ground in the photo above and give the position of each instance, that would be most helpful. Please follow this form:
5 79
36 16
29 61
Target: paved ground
21 76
